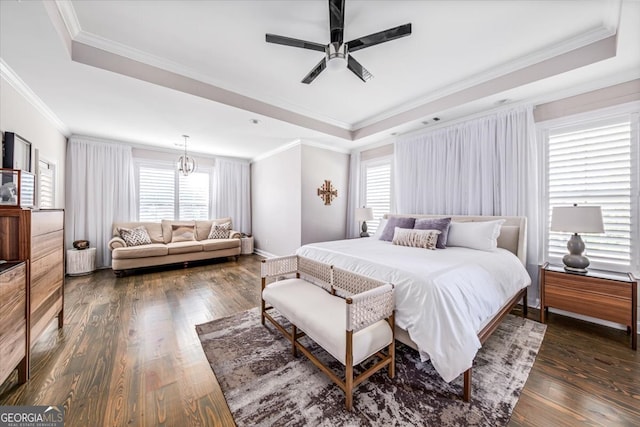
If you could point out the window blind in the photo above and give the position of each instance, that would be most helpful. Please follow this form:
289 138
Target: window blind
194 196
377 191
46 185
591 164
156 193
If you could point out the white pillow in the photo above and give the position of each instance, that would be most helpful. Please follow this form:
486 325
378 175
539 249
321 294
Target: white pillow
380 229
482 235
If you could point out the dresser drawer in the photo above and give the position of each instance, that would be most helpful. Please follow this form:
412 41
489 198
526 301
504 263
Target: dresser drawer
45 221
45 244
47 274
13 321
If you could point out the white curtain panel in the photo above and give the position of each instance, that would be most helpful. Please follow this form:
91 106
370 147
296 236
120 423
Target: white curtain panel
485 166
232 193
353 228
100 190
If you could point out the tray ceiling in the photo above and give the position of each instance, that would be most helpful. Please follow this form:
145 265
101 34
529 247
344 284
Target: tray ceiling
148 72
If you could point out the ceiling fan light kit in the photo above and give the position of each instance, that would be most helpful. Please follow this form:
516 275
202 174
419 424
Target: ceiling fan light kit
337 52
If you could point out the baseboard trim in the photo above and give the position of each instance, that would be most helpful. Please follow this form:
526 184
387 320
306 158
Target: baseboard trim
264 253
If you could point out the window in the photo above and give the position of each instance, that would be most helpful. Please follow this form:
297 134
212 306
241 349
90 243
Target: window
194 196
165 194
376 189
46 184
595 162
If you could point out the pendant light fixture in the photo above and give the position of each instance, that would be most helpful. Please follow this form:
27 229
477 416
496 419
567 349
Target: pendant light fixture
186 164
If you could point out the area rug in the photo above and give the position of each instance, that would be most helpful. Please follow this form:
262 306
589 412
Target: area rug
265 386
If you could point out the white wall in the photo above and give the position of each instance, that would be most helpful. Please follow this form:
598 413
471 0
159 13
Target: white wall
18 115
276 202
319 222
286 211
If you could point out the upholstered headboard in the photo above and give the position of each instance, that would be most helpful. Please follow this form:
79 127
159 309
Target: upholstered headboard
513 235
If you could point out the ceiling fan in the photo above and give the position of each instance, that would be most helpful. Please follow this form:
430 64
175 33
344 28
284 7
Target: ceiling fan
336 51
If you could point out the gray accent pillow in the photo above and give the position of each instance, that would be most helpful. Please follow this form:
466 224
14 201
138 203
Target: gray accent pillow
220 231
135 236
392 223
440 224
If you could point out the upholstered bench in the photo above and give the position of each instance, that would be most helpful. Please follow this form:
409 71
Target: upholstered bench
348 315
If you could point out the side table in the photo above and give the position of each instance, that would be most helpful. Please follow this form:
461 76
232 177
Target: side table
81 262
601 294
246 245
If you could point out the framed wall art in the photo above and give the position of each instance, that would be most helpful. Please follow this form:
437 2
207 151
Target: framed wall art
16 152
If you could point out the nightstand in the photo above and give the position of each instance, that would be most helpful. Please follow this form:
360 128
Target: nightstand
601 294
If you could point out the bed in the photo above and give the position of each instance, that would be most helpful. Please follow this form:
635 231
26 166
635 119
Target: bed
448 301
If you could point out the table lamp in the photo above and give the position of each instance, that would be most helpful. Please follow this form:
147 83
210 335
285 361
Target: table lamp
364 214
576 219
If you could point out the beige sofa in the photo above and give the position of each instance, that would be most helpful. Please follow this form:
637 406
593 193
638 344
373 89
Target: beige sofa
163 251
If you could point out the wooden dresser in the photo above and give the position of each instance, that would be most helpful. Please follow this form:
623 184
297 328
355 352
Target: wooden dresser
37 237
14 351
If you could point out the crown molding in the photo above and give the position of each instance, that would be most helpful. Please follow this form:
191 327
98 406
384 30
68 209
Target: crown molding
155 148
612 10
277 150
315 144
297 142
23 89
585 39
69 17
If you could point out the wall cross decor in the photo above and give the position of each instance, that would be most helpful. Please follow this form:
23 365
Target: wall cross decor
327 192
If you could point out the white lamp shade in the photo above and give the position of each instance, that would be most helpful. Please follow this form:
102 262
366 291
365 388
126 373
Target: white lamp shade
577 219
364 214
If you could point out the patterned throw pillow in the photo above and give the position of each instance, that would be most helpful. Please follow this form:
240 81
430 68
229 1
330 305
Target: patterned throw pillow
220 231
426 239
135 236
182 233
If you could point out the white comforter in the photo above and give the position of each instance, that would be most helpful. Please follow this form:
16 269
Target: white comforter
443 297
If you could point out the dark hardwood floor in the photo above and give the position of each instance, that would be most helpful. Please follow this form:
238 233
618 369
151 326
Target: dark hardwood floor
129 355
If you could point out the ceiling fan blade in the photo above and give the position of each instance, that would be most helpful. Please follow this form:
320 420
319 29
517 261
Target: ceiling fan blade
288 41
358 69
381 37
315 72
336 21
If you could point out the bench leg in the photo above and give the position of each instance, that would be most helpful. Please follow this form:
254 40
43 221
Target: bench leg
349 372
392 347
294 332
263 285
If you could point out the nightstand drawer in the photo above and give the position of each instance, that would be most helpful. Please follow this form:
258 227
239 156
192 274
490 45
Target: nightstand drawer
585 284
590 304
